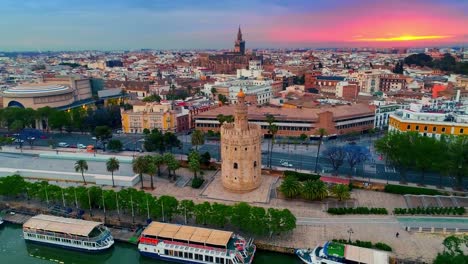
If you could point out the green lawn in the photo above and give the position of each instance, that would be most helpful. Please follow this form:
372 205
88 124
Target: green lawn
336 249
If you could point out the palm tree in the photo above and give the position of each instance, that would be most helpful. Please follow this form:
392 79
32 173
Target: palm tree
272 130
81 166
198 138
139 166
290 187
112 165
150 168
341 192
173 165
321 132
221 119
314 190
158 161
194 163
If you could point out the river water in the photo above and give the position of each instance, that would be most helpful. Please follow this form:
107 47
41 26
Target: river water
14 250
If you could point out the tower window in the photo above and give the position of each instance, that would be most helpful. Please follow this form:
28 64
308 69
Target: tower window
235 165
408 127
425 128
443 129
255 164
245 149
417 128
461 130
235 149
434 129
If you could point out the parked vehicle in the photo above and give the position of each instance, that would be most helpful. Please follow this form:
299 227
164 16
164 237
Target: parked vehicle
285 163
63 145
80 146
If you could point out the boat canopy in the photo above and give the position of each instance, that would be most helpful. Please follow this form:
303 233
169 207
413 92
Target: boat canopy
365 255
188 233
61 225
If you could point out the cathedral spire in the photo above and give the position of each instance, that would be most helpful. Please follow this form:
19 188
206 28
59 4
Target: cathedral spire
239 34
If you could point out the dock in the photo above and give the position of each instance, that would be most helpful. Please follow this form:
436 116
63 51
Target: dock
16 218
124 235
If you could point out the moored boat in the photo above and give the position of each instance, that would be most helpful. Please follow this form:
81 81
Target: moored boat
187 244
337 253
68 233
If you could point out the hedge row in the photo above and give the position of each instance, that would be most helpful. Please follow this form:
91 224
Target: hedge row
302 176
398 189
431 211
357 210
365 244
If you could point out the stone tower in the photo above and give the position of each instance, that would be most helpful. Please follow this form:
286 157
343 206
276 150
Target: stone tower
241 169
239 45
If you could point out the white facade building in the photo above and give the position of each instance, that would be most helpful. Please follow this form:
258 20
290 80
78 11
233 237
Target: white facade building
261 88
255 70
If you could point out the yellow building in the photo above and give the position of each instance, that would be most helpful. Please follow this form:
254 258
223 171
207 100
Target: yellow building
150 116
429 124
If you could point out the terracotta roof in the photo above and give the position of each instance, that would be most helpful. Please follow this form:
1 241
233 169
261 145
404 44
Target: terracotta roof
128 85
303 114
188 233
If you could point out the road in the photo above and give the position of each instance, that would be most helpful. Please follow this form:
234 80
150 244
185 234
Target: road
301 157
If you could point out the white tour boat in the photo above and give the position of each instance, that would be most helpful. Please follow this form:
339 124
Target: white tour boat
187 244
68 233
337 253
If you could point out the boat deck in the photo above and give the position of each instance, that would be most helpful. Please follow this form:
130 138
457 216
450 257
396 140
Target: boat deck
16 218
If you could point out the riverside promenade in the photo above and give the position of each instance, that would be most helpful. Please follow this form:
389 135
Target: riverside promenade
314 225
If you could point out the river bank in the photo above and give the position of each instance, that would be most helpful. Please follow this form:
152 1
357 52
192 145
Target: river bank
15 250
124 229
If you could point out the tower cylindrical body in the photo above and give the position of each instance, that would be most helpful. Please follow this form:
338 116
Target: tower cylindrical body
242 157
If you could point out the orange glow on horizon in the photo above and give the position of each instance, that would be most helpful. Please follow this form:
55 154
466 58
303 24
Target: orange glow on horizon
402 38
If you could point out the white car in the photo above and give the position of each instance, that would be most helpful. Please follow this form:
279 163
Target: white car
285 163
80 146
63 145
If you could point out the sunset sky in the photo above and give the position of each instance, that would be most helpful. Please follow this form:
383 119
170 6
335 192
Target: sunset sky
176 24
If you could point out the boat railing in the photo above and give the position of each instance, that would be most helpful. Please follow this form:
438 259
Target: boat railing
69 236
154 241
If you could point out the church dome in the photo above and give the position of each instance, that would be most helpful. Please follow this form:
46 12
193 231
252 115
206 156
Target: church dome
241 94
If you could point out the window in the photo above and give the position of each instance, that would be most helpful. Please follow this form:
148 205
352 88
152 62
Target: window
245 149
235 149
408 127
461 130
434 129
425 128
235 165
443 129
255 164
417 128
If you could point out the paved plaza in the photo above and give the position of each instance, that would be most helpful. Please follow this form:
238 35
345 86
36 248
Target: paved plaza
215 190
414 246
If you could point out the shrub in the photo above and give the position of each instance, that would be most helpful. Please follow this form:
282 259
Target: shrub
398 189
357 210
302 176
382 246
431 211
197 182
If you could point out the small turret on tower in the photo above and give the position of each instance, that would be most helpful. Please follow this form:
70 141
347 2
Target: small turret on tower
240 113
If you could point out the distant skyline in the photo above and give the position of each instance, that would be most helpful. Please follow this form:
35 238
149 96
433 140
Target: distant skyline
183 24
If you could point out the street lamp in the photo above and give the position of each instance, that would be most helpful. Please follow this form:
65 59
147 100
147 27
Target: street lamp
350 232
